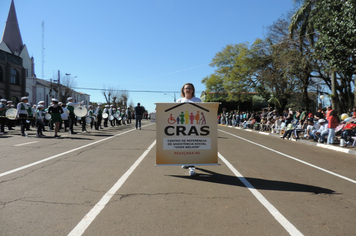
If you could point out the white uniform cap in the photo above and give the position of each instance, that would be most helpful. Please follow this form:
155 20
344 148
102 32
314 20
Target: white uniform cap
111 105
70 98
90 106
99 104
40 106
54 100
34 105
60 103
24 98
40 102
9 102
3 100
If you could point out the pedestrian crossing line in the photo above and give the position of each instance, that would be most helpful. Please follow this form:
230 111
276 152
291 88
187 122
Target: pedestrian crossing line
293 158
94 212
291 229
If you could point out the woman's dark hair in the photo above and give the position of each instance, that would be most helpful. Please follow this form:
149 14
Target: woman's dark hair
334 114
182 90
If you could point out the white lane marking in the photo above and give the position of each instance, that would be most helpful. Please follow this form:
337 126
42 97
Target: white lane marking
63 153
293 158
22 144
94 212
291 229
263 133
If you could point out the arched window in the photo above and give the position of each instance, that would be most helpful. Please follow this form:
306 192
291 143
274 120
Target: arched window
15 77
1 75
15 100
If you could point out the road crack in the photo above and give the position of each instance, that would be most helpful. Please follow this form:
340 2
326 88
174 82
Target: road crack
122 196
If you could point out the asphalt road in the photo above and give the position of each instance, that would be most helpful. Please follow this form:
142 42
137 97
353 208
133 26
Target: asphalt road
106 183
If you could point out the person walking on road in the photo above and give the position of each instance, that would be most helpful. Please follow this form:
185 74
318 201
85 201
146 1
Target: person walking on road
55 110
139 110
72 118
99 114
2 115
22 113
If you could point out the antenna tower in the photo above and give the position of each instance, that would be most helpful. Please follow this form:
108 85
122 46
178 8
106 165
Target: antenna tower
43 48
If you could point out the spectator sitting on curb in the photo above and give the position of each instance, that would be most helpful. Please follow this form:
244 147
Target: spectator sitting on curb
348 131
308 132
288 131
322 131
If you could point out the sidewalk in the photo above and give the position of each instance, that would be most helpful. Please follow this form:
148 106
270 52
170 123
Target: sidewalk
349 150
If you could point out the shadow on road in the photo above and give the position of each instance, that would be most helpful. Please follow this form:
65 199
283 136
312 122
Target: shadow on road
259 184
76 138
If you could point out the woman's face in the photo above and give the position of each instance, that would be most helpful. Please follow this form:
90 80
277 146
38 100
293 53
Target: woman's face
188 91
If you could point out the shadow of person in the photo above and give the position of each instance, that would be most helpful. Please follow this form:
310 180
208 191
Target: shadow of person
259 184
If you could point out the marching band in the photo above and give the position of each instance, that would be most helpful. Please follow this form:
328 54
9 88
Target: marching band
58 115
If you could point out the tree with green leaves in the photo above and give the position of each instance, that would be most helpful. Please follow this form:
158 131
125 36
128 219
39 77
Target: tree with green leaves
336 25
302 20
331 24
229 82
269 72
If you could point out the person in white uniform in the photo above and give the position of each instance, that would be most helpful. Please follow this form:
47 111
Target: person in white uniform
22 113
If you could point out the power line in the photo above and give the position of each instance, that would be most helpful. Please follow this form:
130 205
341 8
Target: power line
131 91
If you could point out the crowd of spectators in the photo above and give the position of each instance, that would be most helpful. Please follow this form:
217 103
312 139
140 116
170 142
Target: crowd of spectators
323 126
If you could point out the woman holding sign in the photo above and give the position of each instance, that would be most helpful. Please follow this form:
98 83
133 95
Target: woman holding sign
188 94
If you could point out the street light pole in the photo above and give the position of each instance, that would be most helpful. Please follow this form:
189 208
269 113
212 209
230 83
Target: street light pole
174 98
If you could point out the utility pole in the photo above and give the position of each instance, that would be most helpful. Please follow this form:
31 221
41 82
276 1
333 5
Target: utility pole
333 90
59 86
43 48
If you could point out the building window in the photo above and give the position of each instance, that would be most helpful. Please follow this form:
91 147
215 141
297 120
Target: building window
1 75
14 100
15 77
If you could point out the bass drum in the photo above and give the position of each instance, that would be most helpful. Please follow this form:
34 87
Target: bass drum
115 115
111 118
105 115
80 111
11 113
88 120
48 116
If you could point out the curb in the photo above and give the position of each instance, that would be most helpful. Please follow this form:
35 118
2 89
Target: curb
320 145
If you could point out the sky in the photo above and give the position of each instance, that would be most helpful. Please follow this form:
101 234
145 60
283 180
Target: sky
149 48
